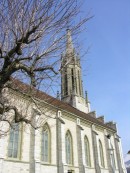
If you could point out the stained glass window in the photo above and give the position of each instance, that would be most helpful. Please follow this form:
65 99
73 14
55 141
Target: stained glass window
112 157
101 154
69 153
45 147
87 151
14 142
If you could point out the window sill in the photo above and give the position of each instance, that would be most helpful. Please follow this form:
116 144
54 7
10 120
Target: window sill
45 163
15 160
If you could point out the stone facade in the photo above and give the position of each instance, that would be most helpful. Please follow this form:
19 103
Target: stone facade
29 160
101 154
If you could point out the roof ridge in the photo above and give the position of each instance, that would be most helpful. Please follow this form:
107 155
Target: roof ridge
24 87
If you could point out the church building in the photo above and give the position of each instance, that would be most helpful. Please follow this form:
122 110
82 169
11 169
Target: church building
70 139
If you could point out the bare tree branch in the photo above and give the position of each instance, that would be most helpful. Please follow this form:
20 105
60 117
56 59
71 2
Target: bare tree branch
32 38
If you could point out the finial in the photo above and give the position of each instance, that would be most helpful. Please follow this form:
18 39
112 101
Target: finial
58 95
86 96
78 57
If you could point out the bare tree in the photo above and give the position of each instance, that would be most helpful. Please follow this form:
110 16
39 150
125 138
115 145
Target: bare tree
32 36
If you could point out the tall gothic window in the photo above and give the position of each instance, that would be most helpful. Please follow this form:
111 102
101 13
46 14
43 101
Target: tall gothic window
45 146
65 83
14 142
101 154
87 151
72 78
69 148
112 157
79 83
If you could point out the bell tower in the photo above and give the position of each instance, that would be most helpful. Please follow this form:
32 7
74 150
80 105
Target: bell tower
71 78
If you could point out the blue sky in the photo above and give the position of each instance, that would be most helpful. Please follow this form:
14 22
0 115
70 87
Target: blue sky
106 67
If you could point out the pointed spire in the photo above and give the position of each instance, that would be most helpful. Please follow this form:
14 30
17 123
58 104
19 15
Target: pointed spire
69 46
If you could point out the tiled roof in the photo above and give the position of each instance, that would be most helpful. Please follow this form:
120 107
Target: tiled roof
25 88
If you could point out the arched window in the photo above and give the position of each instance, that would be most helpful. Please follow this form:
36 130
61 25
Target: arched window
69 148
79 80
112 157
87 151
101 154
65 83
45 146
14 141
72 78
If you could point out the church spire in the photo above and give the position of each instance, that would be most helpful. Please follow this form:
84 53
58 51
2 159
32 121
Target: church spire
71 78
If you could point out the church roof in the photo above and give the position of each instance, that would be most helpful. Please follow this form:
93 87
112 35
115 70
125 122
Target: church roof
25 88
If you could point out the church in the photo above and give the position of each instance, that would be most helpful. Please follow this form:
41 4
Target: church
70 139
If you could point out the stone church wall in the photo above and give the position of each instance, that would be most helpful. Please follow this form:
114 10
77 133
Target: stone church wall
30 156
